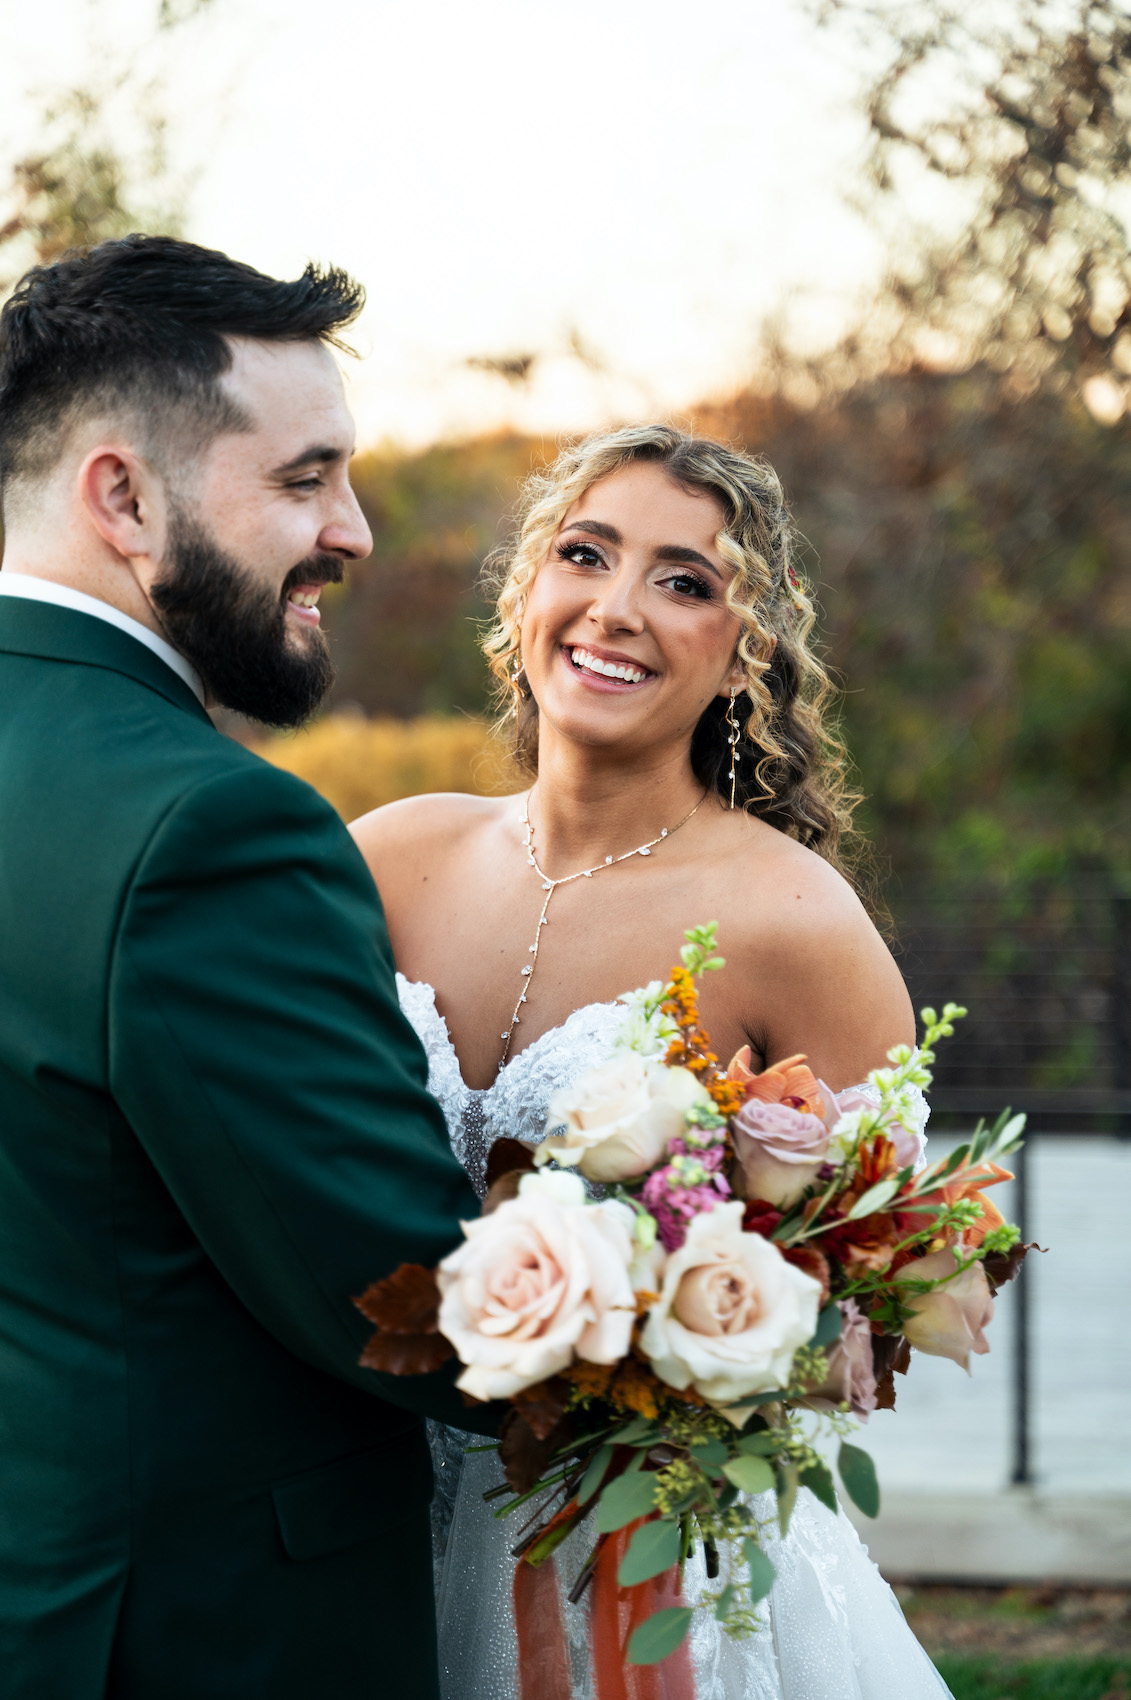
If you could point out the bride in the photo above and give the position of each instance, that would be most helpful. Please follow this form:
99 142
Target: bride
647 606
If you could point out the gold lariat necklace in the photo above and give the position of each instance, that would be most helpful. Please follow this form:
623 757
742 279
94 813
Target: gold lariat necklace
549 886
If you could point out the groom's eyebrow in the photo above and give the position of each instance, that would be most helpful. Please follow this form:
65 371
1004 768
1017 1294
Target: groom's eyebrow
319 454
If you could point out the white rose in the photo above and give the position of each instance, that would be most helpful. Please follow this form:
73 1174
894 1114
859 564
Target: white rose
732 1311
542 1280
620 1117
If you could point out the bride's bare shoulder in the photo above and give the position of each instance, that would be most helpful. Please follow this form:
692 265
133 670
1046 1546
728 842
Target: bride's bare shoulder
423 827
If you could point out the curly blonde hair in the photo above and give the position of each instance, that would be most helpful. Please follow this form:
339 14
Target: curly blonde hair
798 779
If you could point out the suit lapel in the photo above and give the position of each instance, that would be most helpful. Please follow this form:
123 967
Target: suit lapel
63 634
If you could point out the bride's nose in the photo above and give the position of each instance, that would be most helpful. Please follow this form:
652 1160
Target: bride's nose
619 603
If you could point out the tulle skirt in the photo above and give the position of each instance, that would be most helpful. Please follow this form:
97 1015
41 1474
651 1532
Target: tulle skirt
831 1629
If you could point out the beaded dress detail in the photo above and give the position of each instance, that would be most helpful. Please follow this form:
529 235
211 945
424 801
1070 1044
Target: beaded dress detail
831 1629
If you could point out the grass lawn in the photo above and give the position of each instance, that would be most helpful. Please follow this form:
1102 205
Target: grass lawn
1043 1679
1025 1643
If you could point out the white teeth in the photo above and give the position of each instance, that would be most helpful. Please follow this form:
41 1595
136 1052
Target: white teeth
304 598
607 669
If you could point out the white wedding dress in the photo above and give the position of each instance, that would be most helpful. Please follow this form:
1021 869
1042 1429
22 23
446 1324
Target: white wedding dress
832 1628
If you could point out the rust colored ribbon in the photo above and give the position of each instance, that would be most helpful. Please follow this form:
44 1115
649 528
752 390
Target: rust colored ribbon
543 1656
616 1612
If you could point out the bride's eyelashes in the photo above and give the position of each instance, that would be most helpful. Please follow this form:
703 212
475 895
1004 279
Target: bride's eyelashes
689 587
686 585
573 552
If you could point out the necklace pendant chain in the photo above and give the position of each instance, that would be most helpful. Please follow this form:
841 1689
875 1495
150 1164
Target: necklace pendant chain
550 886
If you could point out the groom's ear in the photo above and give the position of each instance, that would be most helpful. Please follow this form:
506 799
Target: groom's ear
124 500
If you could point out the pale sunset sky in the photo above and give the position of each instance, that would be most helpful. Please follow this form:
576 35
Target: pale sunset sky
648 180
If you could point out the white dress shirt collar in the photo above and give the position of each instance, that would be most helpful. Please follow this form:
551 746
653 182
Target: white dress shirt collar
47 590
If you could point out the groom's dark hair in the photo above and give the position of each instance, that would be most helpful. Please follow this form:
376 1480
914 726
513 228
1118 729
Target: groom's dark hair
140 326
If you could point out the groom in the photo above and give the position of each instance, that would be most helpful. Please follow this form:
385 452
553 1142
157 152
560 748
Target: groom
214 1127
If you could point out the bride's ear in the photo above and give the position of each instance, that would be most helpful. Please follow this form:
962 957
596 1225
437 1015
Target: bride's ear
736 677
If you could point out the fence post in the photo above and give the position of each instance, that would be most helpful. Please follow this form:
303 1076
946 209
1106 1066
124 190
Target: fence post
1022 1452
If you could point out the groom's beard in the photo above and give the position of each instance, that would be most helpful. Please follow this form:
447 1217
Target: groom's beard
234 631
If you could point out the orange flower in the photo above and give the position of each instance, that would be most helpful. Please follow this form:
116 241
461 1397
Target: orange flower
986 1174
789 1081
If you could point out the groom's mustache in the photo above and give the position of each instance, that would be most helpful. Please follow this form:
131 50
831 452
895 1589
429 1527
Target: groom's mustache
316 569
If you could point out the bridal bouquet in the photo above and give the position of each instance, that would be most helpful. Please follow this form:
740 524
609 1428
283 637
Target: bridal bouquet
751 1260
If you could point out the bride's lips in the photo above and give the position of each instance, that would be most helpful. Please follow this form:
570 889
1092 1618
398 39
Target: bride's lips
302 602
586 663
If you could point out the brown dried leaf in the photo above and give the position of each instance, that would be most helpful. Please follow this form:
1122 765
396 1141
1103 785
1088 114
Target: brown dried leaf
811 1262
890 1352
522 1454
544 1405
405 1302
1003 1266
406 1354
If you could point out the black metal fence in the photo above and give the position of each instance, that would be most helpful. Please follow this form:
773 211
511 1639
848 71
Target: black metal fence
1045 973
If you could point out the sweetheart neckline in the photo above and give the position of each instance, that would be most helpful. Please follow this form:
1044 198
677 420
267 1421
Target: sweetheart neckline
484 1091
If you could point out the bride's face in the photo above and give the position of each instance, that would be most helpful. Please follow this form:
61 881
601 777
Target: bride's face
626 636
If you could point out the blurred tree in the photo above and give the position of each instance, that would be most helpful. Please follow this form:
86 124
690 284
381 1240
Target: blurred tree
83 183
1023 113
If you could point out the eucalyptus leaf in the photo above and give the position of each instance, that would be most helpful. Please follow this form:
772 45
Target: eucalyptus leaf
594 1475
818 1479
829 1324
785 1482
760 1569
722 1605
858 1473
874 1199
710 1451
762 1445
658 1635
749 1473
625 1499
653 1549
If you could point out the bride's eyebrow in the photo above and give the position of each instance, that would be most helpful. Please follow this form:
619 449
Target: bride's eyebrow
596 528
685 557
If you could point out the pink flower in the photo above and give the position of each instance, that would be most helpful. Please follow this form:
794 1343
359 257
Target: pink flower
684 1188
780 1150
949 1321
851 1376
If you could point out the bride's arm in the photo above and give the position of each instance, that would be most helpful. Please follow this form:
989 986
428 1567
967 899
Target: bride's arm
822 980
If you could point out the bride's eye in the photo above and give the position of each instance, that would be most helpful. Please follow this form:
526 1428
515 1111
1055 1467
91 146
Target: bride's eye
689 586
581 554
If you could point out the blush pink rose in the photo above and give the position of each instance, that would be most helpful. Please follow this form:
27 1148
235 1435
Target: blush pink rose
779 1149
541 1281
950 1321
851 1377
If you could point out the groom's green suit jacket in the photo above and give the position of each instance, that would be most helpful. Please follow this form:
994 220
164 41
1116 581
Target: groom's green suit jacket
214 1130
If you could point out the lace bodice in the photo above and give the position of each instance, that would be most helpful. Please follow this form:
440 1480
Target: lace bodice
515 1105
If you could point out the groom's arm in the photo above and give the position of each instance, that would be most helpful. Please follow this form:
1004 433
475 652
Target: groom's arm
260 1055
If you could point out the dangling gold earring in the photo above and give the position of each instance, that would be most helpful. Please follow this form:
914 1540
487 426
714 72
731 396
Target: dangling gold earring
732 739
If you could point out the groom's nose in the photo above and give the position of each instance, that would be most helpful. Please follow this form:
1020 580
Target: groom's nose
346 531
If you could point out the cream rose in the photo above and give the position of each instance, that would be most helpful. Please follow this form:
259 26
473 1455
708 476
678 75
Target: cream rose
950 1321
732 1312
620 1117
542 1280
